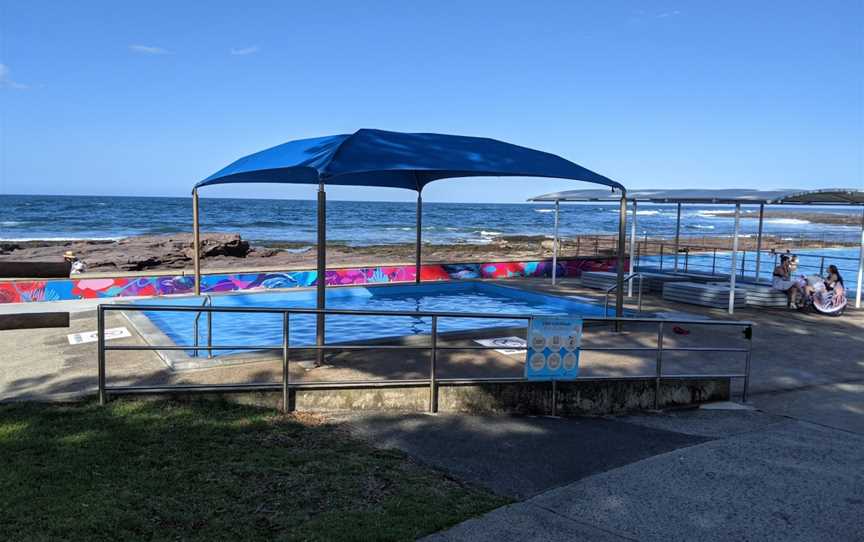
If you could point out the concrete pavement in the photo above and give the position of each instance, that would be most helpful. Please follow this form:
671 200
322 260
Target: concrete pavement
698 474
787 480
517 457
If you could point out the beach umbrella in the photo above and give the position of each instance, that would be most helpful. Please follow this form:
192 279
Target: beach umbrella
389 159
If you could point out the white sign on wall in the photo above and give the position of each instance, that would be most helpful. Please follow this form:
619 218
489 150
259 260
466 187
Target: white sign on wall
553 348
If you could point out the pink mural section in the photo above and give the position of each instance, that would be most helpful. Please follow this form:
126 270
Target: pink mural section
94 288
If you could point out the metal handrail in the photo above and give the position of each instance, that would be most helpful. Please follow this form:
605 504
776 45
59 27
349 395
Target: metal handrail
208 302
614 287
433 382
807 260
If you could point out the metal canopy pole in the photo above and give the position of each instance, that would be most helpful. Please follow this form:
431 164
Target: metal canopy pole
418 247
677 236
196 242
734 259
555 245
860 267
622 233
321 281
759 240
632 251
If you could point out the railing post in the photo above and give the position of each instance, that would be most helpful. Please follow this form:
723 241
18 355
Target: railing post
100 338
748 334
659 367
286 375
639 305
661 257
686 260
433 370
714 262
743 258
195 337
821 265
210 334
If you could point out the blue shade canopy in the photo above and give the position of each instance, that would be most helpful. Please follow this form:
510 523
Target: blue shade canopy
397 160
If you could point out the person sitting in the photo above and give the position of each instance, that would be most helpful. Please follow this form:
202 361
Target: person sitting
829 296
834 280
76 265
782 280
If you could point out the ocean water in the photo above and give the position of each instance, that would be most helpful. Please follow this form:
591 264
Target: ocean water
365 223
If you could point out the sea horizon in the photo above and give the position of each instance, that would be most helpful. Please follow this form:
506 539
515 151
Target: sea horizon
362 223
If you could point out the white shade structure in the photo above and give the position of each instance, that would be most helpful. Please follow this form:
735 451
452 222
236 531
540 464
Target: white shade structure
732 196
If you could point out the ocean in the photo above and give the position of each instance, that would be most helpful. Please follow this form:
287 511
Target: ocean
367 223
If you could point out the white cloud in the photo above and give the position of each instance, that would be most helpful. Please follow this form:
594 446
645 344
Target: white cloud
149 50
245 51
6 80
665 14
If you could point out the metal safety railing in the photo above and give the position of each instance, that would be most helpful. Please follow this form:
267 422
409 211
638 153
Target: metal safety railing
208 302
715 260
626 280
432 382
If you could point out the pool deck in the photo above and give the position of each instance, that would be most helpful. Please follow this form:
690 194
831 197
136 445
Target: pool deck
804 365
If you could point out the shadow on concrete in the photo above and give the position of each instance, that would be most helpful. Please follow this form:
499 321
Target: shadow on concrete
517 456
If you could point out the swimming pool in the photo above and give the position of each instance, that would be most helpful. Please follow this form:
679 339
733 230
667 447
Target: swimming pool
266 329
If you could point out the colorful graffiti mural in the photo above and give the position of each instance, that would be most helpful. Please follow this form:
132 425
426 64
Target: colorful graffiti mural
93 288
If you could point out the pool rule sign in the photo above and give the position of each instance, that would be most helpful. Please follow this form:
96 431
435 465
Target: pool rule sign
553 348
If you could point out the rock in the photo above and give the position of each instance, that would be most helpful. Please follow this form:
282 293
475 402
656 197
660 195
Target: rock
6 248
139 253
547 244
262 252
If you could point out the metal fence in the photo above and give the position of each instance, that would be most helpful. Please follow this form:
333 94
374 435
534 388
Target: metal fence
432 382
716 261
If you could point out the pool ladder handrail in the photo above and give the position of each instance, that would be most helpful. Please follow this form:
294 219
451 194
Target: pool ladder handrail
614 287
208 302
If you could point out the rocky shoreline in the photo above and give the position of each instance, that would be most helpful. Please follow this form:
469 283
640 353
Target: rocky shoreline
225 251
229 250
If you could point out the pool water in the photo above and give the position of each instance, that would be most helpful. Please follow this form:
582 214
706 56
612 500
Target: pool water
266 329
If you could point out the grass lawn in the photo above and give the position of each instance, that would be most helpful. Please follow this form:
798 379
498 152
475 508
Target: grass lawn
210 470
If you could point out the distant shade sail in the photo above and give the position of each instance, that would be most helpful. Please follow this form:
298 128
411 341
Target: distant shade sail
821 196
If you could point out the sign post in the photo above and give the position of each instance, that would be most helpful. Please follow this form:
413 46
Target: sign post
553 350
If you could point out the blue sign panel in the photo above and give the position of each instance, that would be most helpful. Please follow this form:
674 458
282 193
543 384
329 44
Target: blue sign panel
553 348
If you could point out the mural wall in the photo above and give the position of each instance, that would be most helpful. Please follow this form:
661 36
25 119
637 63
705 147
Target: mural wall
66 289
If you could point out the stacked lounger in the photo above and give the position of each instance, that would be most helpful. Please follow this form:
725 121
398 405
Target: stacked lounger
707 295
759 295
602 280
654 281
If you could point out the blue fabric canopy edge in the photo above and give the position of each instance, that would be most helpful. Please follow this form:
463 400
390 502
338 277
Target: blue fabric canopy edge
382 158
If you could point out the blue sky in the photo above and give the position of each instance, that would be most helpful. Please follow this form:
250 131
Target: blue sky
146 98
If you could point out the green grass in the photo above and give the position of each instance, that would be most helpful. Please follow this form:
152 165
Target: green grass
210 470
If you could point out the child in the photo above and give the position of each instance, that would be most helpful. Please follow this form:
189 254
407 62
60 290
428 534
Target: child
834 281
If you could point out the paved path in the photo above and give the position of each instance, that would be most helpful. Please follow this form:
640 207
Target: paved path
689 475
518 457
789 481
